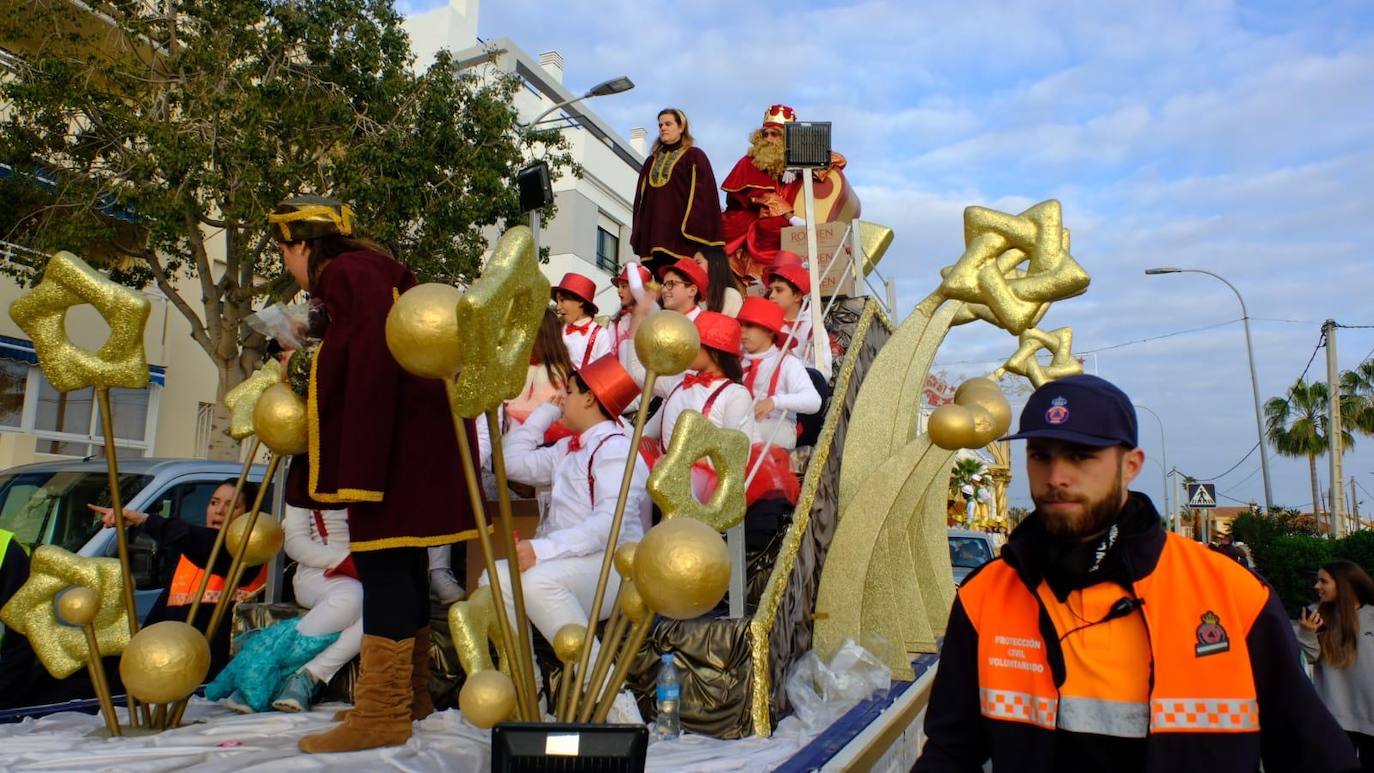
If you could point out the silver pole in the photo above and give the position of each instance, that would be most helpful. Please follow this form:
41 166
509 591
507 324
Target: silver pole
1164 458
1334 432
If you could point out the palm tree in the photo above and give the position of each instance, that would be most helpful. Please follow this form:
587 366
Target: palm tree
1297 425
962 474
1357 398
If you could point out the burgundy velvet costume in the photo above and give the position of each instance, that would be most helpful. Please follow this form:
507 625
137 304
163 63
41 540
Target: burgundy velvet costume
676 208
381 440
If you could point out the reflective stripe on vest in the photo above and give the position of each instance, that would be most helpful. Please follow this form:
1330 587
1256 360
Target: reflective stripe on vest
1204 714
1019 707
5 538
1203 610
187 578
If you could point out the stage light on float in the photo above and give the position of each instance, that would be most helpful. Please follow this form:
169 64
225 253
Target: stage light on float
422 331
487 698
682 568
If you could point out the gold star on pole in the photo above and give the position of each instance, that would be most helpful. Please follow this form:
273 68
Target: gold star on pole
32 611
1058 342
242 399
670 484
42 314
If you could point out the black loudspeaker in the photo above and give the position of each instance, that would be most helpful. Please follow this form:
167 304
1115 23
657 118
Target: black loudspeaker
808 144
520 747
536 188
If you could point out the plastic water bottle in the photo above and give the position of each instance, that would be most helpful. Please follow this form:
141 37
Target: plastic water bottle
668 724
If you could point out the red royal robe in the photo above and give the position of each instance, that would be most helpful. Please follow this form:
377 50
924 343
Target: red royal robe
745 189
676 210
380 439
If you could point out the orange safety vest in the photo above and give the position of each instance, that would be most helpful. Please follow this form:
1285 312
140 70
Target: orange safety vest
187 578
1192 627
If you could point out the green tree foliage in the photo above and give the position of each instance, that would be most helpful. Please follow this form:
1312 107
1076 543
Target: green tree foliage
151 138
1296 425
1288 552
1357 397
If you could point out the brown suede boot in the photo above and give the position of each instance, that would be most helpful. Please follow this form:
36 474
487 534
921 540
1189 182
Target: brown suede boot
421 702
381 714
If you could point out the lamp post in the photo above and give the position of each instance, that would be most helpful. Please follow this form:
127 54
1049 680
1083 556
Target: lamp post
602 89
1254 379
1164 458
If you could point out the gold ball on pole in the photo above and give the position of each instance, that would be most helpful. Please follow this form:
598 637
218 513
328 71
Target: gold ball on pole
165 662
625 559
279 419
78 605
667 342
567 642
951 427
997 407
984 426
966 389
487 697
422 331
631 603
682 568
264 543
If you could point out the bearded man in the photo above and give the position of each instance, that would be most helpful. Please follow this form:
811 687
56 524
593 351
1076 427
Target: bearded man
760 195
1099 641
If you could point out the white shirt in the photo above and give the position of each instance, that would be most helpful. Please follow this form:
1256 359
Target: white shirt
589 344
801 333
581 506
310 545
792 394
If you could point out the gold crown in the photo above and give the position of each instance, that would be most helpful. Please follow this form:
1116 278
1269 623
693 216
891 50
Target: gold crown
311 217
779 115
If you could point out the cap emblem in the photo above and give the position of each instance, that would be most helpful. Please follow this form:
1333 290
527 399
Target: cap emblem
1058 412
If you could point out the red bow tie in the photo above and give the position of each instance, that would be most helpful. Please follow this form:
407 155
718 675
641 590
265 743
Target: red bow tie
700 379
575 444
570 329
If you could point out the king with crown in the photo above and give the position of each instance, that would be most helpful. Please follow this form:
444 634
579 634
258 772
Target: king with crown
761 195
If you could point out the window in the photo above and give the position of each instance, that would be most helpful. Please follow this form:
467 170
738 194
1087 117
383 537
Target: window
49 508
14 378
607 250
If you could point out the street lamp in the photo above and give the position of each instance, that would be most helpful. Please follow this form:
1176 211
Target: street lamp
1254 379
602 89
1164 454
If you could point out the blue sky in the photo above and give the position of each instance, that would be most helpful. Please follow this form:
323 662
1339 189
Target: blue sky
1235 137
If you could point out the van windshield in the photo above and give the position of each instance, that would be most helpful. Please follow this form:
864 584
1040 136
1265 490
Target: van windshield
49 508
969 552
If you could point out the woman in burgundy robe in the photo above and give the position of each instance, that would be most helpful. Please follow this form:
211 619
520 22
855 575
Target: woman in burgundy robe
676 209
374 449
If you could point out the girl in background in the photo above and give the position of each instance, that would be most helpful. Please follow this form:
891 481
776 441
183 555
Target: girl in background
1337 636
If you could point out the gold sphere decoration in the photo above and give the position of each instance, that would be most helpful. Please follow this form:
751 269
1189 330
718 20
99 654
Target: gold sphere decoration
625 559
972 385
631 603
682 568
951 427
567 643
78 605
487 697
165 662
422 331
264 543
279 419
667 342
984 426
998 407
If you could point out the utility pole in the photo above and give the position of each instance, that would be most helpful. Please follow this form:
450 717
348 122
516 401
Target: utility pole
1333 387
1354 506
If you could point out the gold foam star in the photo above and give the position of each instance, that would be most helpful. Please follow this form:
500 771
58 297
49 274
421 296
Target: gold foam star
670 484
42 314
242 399
1058 342
32 611
498 319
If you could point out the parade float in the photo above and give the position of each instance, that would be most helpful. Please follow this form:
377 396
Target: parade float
863 559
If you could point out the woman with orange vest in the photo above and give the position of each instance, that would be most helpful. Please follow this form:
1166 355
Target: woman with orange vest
194 543
1099 641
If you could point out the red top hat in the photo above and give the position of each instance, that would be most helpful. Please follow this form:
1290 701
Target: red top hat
610 384
786 258
580 286
689 270
645 277
719 332
761 312
796 276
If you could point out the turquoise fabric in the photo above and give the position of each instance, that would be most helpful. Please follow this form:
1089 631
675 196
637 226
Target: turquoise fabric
265 662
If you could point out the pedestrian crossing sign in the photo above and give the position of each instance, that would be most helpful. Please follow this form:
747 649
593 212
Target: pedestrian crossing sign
1202 496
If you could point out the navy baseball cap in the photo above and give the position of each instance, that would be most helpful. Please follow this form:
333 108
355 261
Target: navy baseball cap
1083 409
